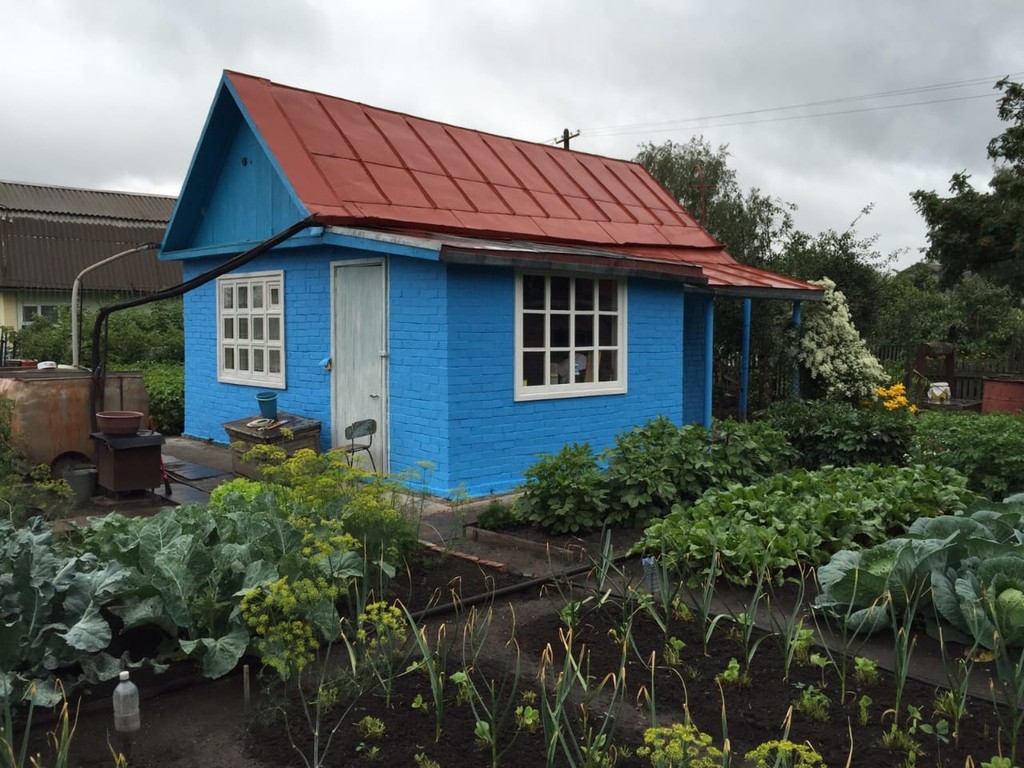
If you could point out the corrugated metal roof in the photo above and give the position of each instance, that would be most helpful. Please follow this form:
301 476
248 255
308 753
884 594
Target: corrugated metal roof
88 203
37 253
356 165
48 235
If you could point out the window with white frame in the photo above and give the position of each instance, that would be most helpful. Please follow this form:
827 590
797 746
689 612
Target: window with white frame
30 312
570 336
250 329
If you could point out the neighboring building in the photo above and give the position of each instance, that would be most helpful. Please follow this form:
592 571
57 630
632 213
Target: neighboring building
48 235
483 299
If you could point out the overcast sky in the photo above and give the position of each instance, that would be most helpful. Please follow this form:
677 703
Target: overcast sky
113 94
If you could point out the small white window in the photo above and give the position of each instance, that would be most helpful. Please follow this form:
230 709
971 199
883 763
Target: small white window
30 312
250 329
570 336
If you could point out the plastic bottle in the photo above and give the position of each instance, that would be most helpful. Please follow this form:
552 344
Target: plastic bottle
126 706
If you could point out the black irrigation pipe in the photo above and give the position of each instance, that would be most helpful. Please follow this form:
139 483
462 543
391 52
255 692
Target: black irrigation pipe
512 589
99 357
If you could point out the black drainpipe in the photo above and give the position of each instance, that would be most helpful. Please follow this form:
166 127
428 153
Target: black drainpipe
99 361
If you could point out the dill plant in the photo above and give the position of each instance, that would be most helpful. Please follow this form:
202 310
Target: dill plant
680 745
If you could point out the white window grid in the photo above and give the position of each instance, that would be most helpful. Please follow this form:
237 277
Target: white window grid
592 334
250 329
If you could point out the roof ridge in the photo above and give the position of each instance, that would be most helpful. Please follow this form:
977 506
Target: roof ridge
400 113
89 190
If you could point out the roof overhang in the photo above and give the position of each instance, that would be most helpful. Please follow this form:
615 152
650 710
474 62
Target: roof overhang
727 278
543 257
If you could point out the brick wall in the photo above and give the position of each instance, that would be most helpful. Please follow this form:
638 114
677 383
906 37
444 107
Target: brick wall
693 358
208 402
494 438
450 368
417 374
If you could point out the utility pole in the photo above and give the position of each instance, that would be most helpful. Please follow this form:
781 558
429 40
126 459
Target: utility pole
699 168
566 136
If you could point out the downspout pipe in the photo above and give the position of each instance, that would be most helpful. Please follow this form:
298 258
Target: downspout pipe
709 359
99 360
76 288
745 361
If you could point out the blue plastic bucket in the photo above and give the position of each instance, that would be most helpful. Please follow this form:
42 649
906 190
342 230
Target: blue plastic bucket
268 404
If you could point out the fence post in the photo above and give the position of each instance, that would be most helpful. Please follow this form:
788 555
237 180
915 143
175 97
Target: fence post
795 383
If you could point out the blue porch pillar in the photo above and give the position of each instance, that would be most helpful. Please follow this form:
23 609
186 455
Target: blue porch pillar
745 361
796 366
709 358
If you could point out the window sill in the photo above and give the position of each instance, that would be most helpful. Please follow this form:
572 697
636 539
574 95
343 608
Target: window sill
561 393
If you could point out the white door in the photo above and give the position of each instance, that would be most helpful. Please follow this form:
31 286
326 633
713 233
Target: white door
359 355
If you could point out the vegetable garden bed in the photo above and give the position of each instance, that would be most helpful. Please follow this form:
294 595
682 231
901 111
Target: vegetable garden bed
206 724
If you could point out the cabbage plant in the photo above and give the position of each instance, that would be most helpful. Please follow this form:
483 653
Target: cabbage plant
966 570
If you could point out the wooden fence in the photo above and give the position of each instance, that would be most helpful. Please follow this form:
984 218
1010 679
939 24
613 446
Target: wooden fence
8 345
969 372
771 379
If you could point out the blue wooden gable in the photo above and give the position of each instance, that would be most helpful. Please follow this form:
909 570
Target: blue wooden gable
236 194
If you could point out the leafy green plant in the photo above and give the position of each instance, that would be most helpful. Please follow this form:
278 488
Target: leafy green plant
863 708
527 718
656 465
672 653
903 740
733 674
497 516
423 761
955 566
800 517
988 449
843 434
165 387
55 633
813 702
371 728
865 671
564 492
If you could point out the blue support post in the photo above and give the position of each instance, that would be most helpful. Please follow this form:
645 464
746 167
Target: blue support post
709 359
796 366
745 361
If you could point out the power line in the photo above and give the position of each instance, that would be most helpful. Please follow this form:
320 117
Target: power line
785 118
680 123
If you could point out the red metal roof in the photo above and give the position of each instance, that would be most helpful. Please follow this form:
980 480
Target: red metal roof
356 165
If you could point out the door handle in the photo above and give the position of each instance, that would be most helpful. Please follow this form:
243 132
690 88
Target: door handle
375 396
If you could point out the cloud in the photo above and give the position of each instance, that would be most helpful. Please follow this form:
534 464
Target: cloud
114 93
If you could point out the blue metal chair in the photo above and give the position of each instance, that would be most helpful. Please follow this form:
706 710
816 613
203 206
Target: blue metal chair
355 431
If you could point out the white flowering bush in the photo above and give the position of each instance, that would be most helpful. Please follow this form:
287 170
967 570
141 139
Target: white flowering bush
833 352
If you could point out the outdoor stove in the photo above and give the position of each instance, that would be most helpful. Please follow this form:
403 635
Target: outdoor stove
129 462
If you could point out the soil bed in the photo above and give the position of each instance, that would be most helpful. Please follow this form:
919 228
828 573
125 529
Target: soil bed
205 724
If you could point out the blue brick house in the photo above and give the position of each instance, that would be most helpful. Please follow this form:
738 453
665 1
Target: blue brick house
483 299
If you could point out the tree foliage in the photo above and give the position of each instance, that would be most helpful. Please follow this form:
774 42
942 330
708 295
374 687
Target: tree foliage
983 232
913 310
751 225
153 333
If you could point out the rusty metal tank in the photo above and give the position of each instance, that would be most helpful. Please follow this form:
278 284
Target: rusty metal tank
52 411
